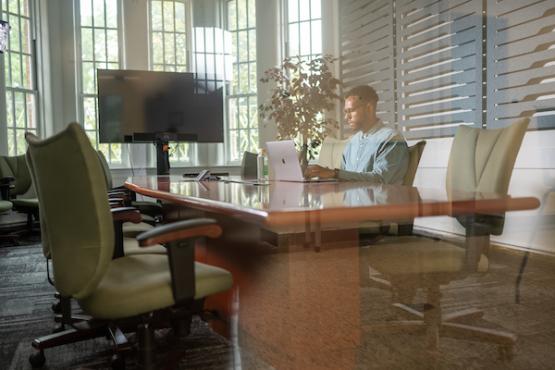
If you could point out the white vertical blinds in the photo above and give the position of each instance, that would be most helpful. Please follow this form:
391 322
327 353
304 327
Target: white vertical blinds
367 50
521 62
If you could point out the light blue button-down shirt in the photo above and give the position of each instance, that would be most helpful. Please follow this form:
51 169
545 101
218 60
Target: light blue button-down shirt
380 156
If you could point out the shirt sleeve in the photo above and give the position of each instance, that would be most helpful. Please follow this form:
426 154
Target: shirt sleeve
390 165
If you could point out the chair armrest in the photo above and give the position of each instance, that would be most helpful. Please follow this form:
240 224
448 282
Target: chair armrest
126 214
188 229
180 238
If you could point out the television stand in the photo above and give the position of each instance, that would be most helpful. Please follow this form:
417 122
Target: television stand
162 157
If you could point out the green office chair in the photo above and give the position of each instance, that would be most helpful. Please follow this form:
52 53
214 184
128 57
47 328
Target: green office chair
141 290
480 161
22 195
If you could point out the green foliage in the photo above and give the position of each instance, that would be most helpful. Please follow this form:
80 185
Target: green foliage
302 91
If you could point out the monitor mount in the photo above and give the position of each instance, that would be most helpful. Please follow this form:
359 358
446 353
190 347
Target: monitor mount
161 141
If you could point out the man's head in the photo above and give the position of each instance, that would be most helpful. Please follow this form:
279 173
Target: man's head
360 107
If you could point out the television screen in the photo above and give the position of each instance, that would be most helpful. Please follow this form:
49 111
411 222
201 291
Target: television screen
145 105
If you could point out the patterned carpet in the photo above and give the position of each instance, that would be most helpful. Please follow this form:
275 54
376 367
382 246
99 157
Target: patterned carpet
25 299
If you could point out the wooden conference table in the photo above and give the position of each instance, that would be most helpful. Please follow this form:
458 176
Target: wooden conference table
298 300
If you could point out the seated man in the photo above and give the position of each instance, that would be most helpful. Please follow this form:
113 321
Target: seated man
376 152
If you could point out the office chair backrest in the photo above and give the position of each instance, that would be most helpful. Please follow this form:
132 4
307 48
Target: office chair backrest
415 153
16 167
43 238
105 169
74 205
331 152
482 161
249 165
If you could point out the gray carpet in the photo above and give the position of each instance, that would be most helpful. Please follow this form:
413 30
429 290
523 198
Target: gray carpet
25 299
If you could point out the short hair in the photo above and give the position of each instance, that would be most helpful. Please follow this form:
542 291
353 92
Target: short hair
364 93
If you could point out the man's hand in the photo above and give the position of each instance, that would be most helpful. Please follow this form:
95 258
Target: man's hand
319 171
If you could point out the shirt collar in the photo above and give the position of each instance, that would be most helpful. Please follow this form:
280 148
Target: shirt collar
372 130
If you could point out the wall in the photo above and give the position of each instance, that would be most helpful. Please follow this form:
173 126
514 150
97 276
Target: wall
534 175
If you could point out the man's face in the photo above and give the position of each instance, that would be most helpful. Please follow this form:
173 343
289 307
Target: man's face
359 114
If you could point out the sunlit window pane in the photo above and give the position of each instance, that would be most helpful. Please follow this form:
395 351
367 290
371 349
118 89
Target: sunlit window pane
156 15
168 16
111 14
168 50
98 14
85 7
304 36
242 126
293 10
99 49
305 41
20 90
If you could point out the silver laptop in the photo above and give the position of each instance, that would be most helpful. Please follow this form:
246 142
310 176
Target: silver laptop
283 163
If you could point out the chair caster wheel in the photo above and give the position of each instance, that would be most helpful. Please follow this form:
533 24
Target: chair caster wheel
506 353
37 360
57 307
118 362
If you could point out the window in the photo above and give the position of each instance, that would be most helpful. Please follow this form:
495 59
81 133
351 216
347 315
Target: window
20 76
242 98
98 25
168 52
304 28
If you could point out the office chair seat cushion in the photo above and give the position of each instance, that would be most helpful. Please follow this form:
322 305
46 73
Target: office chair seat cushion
131 230
139 284
26 203
414 255
5 206
131 246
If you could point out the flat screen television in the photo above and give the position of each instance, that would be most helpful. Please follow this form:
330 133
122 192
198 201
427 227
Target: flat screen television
139 106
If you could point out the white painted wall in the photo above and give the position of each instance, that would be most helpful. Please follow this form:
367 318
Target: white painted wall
534 175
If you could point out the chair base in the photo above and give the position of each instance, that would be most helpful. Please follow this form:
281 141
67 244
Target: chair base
76 327
453 325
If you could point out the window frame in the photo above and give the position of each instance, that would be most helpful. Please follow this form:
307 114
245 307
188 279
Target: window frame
80 94
249 95
192 148
13 129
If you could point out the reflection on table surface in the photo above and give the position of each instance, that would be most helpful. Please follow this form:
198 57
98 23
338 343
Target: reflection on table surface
286 202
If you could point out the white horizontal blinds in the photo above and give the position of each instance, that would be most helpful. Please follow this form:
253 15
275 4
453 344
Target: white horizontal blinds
367 50
439 60
521 62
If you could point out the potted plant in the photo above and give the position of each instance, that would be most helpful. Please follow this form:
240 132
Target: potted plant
303 90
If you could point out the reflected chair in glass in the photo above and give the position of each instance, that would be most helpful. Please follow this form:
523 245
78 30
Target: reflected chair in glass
480 161
138 293
370 232
151 212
